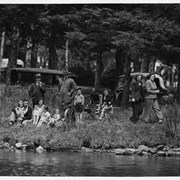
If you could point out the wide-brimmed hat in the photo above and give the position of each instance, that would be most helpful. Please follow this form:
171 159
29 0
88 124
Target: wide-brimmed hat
65 73
38 75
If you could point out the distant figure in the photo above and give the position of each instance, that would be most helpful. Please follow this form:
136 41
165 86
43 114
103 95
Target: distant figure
137 97
67 87
27 112
44 116
79 104
38 109
151 100
69 116
107 104
55 118
17 114
37 90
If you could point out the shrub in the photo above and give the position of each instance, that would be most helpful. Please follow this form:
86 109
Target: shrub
171 120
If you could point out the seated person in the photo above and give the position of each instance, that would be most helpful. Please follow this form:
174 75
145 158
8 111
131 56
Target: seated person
69 115
107 104
38 109
44 116
55 118
99 105
17 114
27 112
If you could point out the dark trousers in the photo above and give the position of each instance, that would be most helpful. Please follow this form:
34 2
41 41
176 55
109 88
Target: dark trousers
137 110
63 98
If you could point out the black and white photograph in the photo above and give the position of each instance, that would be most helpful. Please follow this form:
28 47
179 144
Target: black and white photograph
90 89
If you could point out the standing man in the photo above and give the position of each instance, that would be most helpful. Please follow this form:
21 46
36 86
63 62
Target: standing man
37 90
67 87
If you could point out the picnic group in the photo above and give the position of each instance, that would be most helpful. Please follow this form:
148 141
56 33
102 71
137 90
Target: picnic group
144 100
70 102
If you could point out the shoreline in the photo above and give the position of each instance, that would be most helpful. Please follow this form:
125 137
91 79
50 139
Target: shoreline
142 150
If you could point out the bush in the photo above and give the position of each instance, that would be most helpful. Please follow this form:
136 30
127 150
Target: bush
171 120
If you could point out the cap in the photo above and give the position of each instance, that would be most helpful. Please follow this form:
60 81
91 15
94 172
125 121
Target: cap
38 75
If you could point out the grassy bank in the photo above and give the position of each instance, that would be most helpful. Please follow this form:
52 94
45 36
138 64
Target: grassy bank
92 134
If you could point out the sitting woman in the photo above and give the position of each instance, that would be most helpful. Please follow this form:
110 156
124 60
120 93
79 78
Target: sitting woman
107 104
55 119
17 114
44 117
38 109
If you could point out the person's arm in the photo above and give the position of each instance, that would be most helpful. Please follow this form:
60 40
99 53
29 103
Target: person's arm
149 90
31 89
82 100
28 114
42 88
133 91
73 86
75 100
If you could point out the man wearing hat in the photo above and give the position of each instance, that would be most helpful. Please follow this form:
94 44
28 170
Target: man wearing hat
37 90
67 87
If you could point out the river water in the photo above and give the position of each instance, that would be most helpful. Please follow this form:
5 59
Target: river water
22 163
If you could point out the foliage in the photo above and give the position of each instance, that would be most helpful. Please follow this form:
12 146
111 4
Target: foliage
171 120
93 133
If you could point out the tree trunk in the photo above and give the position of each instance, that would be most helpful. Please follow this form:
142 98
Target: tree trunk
98 72
33 56
119 56
119 62
52 51
145 64
2 47
178 87
127 71
12 55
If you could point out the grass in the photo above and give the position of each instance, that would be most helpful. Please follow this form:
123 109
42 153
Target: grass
92 133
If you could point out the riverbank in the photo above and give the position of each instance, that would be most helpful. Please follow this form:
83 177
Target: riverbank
92 136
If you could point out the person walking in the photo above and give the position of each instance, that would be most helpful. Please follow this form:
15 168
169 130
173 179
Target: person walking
67 87
137 97
151 100
37 90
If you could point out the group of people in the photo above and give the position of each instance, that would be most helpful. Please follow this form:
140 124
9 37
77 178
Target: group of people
144 99
70 105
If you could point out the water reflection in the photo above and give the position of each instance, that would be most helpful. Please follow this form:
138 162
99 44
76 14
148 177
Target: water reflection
22 163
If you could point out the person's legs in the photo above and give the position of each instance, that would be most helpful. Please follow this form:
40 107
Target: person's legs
25 122
157 110
135 115
60 101
147 110
102 113
12 118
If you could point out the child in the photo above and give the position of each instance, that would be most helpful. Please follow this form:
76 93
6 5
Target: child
44 117
56 117
107 105
79 103
99 105
17 113
38 109
69 115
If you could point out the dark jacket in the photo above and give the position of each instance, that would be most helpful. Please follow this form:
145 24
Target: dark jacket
36 92
28 114
107 100
137 91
